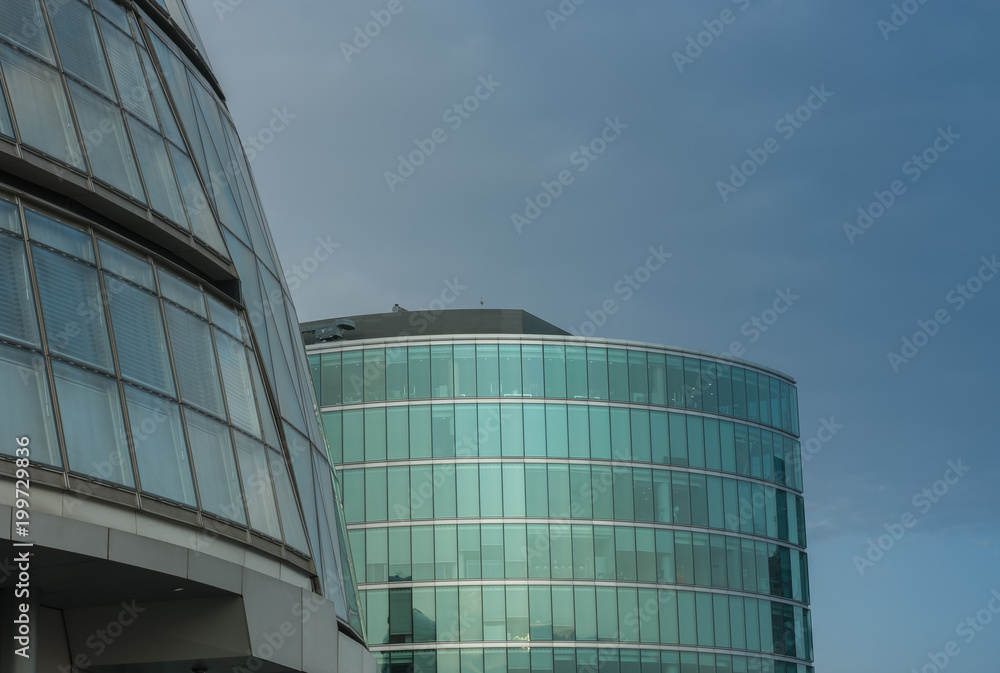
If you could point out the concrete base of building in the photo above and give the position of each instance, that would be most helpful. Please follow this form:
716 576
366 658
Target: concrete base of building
108 589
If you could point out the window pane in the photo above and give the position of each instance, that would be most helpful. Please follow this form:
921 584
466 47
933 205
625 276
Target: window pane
399 555
445 506
107 144
692 383
442 375
510 371
487 371
160 448
18 321
581 505
645 552
467 485
257 486
157 173
532 368
696 441
395 373
513 489
625 553
488 430
555 371
181 292
678 439
675 381
586 612
512 430
579 431
559 498
709 387
640 435
739 393
600 433
375 434
597 373
469 553
725 385
445 552
291 521
443 429
419 372
22 23
236 378
659 437
94 429
126 265
60 236
397 433
540 610
128 74
618 375
420 431
642 493
602 479
73 309
40 107
197 374
557 440
330 379
79 47
375 494
538 550
604 552
515 551
26 408
576 372
583 552
421 492
199 209
561 551
751 392
607 613
215 467
465 370
763 399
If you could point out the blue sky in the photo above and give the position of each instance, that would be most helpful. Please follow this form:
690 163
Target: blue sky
864 99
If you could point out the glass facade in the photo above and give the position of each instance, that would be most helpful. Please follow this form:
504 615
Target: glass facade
620 507
148 344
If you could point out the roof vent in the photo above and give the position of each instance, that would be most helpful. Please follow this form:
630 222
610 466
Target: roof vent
329 334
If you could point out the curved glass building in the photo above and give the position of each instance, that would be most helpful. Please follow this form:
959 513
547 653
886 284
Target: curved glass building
519 499
161 449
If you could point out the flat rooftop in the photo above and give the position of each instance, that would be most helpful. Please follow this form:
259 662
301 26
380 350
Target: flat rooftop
425 323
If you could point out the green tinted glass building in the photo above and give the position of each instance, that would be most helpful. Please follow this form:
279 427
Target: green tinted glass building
518 499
